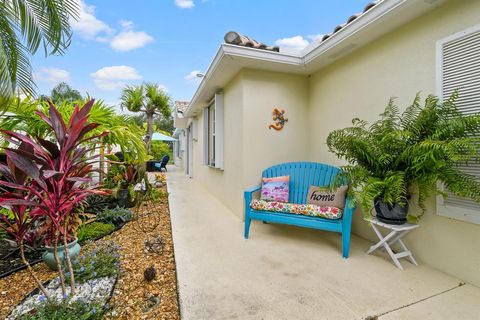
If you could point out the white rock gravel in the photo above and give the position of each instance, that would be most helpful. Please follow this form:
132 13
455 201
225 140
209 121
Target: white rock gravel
93 290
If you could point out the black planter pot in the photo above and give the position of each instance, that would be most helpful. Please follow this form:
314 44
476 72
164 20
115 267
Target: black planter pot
395 214
124 199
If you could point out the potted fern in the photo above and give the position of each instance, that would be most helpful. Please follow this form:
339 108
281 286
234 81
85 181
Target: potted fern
399 159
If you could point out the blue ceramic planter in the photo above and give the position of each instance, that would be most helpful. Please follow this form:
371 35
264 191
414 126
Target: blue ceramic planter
49 258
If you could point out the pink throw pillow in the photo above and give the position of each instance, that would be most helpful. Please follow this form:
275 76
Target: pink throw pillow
275 189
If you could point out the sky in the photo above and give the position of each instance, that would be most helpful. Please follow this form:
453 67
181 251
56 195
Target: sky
124 42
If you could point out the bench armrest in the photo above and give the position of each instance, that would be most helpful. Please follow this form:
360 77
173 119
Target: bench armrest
254 189
248 194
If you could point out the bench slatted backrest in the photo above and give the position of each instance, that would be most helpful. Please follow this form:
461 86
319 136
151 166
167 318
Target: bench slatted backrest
302 175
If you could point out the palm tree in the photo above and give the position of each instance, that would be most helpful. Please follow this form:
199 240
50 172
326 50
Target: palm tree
24 26
150 99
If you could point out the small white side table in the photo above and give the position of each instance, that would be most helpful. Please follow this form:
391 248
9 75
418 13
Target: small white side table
397 232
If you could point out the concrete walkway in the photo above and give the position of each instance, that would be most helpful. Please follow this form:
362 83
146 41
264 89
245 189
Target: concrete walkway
285 272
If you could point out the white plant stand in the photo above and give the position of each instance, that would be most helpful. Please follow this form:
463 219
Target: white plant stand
397 232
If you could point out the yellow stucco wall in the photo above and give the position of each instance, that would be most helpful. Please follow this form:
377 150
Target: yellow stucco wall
264 147
225 184
250 146
359 85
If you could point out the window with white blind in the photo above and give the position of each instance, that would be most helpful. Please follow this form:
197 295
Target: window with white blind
213 133
458 68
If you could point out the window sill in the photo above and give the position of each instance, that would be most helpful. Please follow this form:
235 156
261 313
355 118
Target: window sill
457 213
213 167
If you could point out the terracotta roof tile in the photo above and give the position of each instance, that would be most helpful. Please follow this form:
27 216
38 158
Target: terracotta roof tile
181 106
244 41
238 39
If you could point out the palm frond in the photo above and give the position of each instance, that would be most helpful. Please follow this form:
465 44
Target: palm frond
25 25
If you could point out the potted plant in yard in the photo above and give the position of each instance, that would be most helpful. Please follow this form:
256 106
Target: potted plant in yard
48 178
399 159
122 178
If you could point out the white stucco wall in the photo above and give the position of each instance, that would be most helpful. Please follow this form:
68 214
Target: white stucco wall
400 64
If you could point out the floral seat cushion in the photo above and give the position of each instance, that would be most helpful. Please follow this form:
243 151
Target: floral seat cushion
293 208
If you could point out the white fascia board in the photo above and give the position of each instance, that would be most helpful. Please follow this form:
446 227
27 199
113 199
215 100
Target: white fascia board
258 54
211 69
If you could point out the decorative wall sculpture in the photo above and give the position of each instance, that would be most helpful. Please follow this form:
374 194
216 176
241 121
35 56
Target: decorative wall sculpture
279 118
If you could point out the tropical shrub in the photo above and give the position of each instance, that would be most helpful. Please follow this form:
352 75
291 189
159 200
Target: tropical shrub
22 116
116 216
402 156
94 230
17 200
48 178
103 260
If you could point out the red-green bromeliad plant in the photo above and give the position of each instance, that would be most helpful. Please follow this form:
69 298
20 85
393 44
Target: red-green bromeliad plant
48 178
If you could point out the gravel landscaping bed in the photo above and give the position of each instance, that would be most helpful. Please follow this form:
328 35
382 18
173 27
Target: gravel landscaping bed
134 297
93 290
15 287
145 243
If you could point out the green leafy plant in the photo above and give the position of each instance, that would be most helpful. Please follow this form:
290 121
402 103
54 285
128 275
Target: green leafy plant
158 149
103 260
122 178
97 203
401 157
155 194
116 216
94 230
65 310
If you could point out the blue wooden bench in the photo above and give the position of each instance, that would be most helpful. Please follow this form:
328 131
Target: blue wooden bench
302 175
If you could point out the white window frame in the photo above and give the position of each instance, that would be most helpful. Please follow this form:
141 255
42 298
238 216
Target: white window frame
217 161
453 212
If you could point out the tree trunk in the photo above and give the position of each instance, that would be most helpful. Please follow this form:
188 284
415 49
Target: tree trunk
148 137
67 257
101 163
59 265
32 273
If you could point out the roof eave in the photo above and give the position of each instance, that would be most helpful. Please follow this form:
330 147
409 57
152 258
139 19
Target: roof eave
233 51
